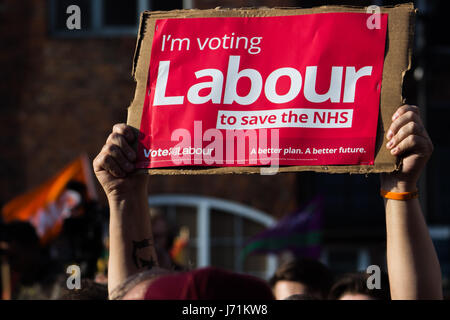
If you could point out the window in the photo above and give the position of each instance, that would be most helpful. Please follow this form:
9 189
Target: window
218 231
104 17
344 258
441 240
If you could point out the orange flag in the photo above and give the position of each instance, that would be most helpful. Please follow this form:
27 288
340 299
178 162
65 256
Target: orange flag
179 250
46 206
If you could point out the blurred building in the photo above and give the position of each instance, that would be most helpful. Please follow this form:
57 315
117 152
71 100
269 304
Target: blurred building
62 90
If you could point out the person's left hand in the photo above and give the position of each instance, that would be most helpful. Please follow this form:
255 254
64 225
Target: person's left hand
408 139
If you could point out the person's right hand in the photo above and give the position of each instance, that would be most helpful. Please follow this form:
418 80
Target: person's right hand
114 165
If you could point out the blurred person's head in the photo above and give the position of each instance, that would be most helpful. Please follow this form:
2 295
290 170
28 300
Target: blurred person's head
80 239
89 290
22 248
301 276
202 284
353 286
135 287
301 297
163 231
79 191
163 236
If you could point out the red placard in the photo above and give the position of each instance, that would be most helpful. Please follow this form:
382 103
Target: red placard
291 90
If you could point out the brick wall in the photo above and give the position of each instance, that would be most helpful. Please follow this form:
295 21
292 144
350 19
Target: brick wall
60 97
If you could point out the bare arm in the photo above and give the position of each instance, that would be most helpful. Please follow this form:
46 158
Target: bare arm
131 240
413 266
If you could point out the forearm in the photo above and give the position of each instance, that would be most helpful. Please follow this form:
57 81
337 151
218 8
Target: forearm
413 266
131 240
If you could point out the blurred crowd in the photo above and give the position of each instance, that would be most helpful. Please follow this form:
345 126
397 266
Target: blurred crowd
31 270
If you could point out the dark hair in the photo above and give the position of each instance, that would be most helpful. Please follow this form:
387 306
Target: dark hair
78 187
90 290
21 232
157 214
357 283
312 273
301 297
122 289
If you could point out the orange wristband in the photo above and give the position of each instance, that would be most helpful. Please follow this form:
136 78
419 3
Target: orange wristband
399 195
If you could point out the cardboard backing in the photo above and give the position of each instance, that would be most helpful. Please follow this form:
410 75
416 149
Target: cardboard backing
397 61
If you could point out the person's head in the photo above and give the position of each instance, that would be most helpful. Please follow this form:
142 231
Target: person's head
22 247
78 191
301 297
89 290
353 286
163 236
301 276
163 231
202 284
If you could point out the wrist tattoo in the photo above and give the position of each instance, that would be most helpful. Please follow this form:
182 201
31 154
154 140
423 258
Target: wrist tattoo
139 261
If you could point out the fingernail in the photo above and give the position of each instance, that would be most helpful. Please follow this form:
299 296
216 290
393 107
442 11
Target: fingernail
395 116
389 144
389 135
394 151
